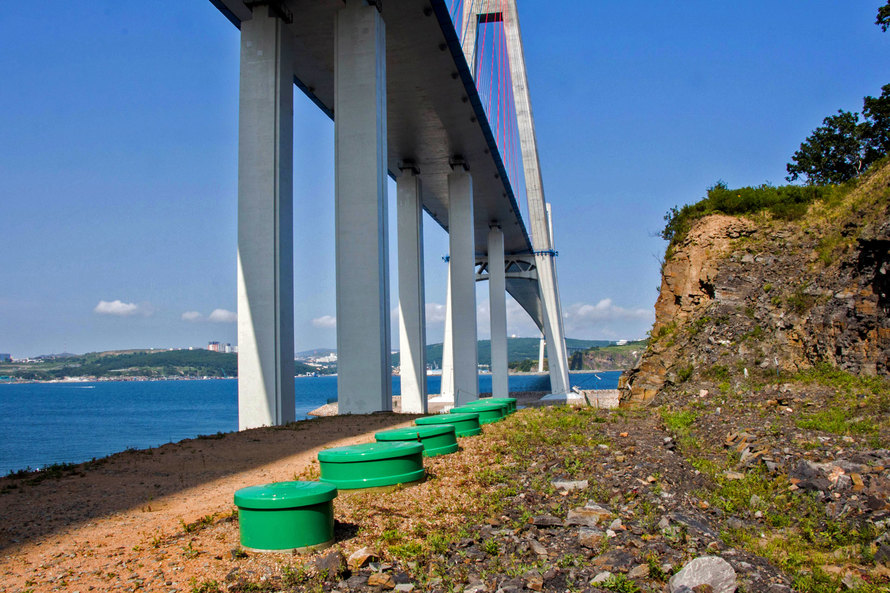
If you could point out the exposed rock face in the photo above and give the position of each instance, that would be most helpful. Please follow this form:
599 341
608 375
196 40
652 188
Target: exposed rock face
689 277
770 295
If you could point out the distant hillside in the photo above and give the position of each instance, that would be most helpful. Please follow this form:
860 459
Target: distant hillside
608 358
517 349
317 352
135 363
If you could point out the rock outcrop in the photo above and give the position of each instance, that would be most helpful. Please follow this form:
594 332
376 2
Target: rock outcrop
758 294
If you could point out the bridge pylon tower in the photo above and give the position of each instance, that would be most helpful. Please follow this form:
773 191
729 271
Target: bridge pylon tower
482 11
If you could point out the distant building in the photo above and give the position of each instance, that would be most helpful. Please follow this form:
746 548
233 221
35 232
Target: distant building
214 346
4 357
228 349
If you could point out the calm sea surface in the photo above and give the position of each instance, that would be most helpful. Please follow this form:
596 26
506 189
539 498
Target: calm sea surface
46 423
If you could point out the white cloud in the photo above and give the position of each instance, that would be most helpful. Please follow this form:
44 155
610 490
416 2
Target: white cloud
604 310
435 313
606 320
192 316
122 309
222 316
325 321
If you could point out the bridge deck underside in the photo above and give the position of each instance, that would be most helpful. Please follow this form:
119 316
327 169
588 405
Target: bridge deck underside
433 111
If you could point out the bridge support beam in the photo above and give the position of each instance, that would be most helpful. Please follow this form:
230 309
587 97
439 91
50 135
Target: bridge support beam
265 225
497 305
412 318
446 392
364 382
462 283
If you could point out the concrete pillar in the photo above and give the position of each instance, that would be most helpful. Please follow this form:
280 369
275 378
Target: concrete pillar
462 250
497 304
265 225
364 382
446 392
541 345
412 318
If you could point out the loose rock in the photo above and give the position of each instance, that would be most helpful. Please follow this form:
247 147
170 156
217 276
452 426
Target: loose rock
705 570
381 579
361 557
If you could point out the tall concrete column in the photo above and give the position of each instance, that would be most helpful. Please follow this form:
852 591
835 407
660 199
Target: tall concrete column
364 382
462 249
497 304
541 345
446 392
412 318
265 225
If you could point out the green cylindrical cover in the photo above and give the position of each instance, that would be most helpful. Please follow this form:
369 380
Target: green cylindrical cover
369 465
510 401
465 425
488 413
286 516
437 439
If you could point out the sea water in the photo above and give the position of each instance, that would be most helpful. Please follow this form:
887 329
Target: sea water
46 423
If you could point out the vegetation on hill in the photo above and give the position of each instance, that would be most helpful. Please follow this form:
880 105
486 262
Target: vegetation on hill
138 363
608 358
788 202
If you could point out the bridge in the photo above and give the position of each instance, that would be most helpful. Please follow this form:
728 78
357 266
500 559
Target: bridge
434 94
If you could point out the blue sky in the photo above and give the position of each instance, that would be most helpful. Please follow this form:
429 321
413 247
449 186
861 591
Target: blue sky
118 157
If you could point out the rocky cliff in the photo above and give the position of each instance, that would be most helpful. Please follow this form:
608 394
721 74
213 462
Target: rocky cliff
754 294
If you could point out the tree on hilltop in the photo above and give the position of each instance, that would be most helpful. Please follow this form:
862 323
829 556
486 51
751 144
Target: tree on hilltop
877 113
833 153
844 145
884 17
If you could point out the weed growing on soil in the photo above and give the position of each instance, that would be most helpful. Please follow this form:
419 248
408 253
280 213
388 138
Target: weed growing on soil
203 522
206 587
621 584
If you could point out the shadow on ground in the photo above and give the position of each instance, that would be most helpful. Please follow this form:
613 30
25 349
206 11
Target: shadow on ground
33 506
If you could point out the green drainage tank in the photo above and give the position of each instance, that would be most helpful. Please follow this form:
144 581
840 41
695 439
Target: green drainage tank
465 425
286 516
370 465
510 401
436 439
488 413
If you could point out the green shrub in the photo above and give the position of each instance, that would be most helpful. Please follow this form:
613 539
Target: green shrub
787 202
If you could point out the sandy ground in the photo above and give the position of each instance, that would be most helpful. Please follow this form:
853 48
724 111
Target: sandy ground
156 519
78 524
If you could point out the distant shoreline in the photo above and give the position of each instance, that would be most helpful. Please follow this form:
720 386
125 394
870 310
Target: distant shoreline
155 379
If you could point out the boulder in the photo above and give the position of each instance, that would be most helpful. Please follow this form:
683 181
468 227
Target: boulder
705 570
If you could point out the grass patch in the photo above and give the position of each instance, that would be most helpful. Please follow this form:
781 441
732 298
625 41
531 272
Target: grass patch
836 421
679 422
